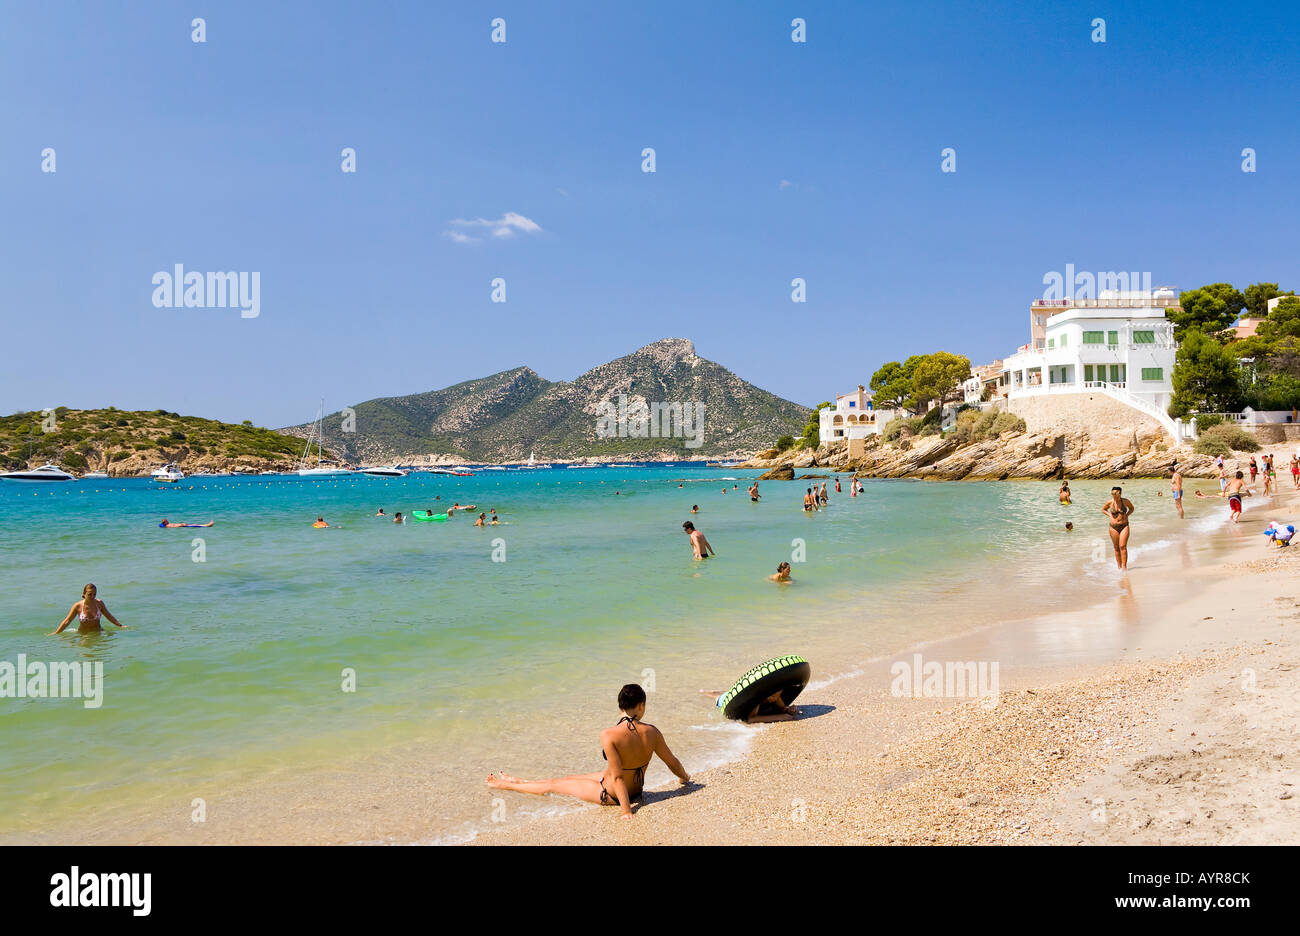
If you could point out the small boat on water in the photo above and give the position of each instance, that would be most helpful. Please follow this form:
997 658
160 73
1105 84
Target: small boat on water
168 472
458 472
532 463
727 464
95 476
323 469
45 474
385 471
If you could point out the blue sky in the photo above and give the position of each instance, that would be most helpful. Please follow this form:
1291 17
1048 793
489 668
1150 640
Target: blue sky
225 156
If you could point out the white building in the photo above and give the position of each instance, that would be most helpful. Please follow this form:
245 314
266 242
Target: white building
853 416
1120 342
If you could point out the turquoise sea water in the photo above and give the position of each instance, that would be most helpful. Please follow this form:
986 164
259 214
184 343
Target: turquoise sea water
232 669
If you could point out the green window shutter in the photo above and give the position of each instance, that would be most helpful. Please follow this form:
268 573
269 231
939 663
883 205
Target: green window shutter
1064 340
1112 338
1144 337
1051 342
1153 373
1094 337
1114 373
1087 372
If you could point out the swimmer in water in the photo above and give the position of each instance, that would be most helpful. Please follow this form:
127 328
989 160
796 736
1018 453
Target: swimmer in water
88 611
628 748
168 525
398 518
782 574
481 521
809 502
772 709
1064 493
1069 527
320 523
381 512
699 544
753 492
695 508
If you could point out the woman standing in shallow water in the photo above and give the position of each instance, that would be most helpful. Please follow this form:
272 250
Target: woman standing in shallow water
88 610
1119 509
631 741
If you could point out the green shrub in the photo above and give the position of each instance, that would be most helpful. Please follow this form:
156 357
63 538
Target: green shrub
117 456
1208 421
1209 445
894 428
1226 434
1006 422
74 460
784 443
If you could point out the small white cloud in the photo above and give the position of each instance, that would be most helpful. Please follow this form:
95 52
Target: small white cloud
785 184
503 227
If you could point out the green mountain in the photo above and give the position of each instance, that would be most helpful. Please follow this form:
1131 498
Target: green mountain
507 415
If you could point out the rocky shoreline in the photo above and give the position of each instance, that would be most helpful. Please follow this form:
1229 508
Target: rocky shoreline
1011 456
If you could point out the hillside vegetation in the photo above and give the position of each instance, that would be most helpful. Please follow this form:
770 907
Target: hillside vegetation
131 442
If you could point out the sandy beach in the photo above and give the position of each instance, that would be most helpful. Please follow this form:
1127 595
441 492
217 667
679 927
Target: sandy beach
1165 714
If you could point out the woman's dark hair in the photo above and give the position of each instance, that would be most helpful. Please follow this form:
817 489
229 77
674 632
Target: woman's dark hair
630 696
688 526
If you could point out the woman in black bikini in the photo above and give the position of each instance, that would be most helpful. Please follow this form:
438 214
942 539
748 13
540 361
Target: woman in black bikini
1119 509
630 741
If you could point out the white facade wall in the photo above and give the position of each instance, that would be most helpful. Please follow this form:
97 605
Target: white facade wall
1066 364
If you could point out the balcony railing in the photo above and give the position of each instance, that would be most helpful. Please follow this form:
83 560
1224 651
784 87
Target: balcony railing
1162 302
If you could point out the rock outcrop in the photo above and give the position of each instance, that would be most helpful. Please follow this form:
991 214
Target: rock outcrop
1022 455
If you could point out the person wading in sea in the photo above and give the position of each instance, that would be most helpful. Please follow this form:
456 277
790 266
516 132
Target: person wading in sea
1119 508
698 543
1176 483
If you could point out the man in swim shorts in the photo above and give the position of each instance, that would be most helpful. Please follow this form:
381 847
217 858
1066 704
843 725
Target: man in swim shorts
1176 482
1235 490
698 543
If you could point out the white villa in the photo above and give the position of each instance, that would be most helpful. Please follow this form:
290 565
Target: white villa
853 416
1119 344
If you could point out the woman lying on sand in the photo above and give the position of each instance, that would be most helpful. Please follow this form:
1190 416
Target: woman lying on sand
631 741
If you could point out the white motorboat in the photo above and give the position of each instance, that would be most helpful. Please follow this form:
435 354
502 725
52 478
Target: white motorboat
95 476
532 463
385 471
45 474
168 472
323 469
